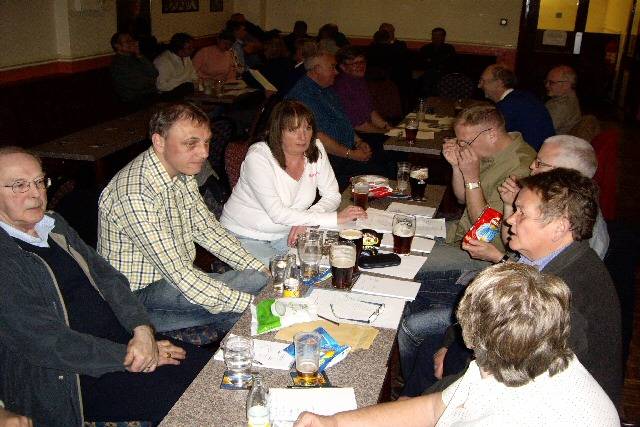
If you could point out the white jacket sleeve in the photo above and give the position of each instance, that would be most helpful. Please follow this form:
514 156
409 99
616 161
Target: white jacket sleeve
327 184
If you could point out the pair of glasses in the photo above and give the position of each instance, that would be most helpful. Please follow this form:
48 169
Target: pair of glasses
540 164
362 62
468 143
24 186
372 317
554 82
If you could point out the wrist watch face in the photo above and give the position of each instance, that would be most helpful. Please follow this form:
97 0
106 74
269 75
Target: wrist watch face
472 185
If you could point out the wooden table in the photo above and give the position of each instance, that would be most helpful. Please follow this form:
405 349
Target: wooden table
230 96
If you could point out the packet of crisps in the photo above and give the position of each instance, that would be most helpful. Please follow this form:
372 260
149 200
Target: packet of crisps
487 227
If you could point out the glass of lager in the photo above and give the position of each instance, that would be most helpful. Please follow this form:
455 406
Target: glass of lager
307 345
342 259
360 193
418 182
404 228
404 169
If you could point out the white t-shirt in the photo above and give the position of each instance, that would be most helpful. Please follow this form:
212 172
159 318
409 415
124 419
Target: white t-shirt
266 201
173 71
569 398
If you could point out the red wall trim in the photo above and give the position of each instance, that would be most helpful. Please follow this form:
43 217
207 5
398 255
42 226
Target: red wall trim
52 68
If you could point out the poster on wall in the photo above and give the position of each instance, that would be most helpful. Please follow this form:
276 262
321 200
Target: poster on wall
216 5
177 6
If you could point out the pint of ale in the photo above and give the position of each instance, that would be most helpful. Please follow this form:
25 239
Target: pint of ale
418 182
354 236
404 228
411 132
342 259
360 194
307 345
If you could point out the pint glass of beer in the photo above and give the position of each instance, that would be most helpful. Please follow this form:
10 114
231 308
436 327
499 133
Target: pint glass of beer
360 192
411 131
307 345
342 259
354 236
418 182
404 228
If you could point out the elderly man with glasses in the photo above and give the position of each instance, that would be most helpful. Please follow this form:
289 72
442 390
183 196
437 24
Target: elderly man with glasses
563 105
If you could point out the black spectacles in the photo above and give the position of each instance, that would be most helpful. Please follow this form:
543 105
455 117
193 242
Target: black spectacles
540 164
24 186
463 143
372 317
554 82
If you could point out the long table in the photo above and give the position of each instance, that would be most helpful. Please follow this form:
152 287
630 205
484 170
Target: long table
204 403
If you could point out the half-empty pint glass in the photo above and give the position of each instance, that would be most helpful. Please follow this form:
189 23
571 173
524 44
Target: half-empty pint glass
404 169
238 357
411 131
307 345
404 228
360 192
418 182
342 259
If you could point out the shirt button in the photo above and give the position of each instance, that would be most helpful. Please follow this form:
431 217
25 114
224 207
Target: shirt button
61 377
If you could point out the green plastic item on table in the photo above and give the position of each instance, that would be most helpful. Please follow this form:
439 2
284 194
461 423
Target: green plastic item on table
267 321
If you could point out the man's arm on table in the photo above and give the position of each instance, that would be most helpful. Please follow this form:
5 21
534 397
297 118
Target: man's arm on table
361 152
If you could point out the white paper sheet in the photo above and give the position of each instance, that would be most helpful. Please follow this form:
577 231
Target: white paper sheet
408 268
382 221
286 404
269 354
260 78
417 210
395 132
386 287
424 135
418 244
350 304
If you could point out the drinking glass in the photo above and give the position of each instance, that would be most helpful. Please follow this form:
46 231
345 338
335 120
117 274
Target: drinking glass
307 346
404 228
342 259
411 131
330 237
278 267
238 357
418 182
310 252
420 111
360 192
404 169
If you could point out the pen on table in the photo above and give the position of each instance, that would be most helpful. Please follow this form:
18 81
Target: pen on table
329 320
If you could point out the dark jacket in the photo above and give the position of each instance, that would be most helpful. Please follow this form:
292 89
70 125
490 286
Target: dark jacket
41 358
526 114
134 78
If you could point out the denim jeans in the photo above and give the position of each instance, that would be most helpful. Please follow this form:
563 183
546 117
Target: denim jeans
264 250
169 310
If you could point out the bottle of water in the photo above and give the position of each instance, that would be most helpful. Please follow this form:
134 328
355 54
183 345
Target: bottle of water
258 404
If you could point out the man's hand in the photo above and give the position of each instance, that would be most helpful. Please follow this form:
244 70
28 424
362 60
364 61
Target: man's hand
450 151
362 151
307 419
9 419
142 351
351 213
438 362
482 250
469 164
509 190
295 231
169 354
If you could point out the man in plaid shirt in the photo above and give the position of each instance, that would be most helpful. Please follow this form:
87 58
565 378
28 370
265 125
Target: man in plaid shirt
150 217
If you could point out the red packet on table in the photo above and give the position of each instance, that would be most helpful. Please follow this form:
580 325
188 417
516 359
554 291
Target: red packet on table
487 227
380 192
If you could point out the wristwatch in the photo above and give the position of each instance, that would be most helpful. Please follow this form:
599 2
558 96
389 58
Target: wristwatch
505 258
472 185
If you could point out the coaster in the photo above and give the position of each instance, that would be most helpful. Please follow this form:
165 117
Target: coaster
227 384
398 195
322 380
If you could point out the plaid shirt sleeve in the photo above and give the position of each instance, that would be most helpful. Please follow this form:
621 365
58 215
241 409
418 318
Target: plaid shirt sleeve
141 223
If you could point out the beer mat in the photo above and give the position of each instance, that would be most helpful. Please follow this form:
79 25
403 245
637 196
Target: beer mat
399 195
298 381
386 287
419 244
424 135
407 209
226 383
266 354
358 337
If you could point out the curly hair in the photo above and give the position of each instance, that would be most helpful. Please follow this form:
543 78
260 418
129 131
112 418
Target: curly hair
569 194
290 114
517 321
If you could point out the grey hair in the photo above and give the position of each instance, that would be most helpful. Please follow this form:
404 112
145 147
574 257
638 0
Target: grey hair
313 59
574 153
14 149
568 74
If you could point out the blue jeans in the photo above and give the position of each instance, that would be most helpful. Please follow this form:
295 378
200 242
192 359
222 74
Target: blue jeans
264 250
169 310
445 257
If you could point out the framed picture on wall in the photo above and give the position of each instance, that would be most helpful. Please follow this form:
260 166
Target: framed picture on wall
177 6
216 5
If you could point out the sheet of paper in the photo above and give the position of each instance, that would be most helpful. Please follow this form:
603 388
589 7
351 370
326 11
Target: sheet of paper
429 227
446 120
418 244
417 210
430 117
286 404
395 132
355 336
386 287
382 221
269 354
424 135
408 268
410 116
266 84
353 306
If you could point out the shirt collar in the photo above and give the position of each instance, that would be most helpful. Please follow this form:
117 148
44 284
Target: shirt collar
42 228
541 263
158 172
505 93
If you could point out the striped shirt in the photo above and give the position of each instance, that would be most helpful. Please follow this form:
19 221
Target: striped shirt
148 224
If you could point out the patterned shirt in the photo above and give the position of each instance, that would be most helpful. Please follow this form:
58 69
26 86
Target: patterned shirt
148 223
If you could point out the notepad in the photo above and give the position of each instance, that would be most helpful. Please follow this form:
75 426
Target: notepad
386 287
405 208
418 244
285 404
260 78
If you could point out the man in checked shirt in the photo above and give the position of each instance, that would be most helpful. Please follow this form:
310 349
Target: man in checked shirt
150 217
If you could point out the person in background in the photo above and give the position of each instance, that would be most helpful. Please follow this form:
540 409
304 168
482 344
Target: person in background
517 321
332 32
239 34
274 199
175 69
299 32
216 62
563 105
133 75
522 111
351 88
437 59
277 65
398 58
304 48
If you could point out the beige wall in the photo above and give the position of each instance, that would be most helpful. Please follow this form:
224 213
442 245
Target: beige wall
200 23
467 21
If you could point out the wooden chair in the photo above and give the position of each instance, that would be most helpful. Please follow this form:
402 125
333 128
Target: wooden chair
605 145
587 128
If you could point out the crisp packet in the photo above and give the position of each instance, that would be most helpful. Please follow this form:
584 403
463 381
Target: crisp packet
272 314
330 351
487 227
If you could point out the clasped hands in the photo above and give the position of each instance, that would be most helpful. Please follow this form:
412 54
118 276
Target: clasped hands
463 158
145 354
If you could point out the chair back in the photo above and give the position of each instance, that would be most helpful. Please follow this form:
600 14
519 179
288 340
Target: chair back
587 128
456 86
386 98
605 145
234 155
261 121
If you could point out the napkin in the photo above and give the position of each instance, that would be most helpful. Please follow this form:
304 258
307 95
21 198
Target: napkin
355 336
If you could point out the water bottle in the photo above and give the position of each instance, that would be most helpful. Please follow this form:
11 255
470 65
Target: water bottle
258 404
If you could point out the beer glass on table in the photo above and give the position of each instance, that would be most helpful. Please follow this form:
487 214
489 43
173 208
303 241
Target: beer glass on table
238 358
307 346
404 169
404 228
310 252
411 131
330 237
342 259
421 110
418 182
278 269
360 192
356 237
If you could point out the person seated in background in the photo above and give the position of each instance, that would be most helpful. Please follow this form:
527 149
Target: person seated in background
133 75
277 65
253 31
299 32
392 54
437 59
75 344
304 48
175 69
560 151
349 154
351 88
216 62
522 111
332 32
525 372
238 47
151 215
273 200
563 105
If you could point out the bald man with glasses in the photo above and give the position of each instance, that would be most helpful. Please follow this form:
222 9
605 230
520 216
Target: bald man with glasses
563 105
